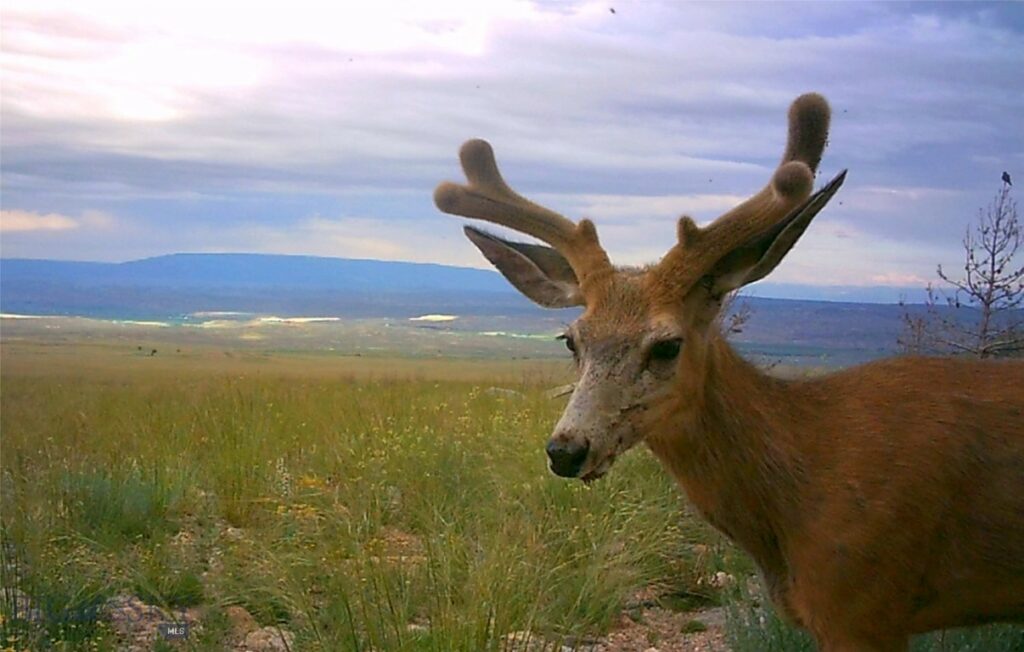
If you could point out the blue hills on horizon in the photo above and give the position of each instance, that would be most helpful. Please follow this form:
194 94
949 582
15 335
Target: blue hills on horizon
851 324
238 271
256 270
167 287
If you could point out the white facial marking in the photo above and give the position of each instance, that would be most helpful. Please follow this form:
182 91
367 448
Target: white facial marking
616 386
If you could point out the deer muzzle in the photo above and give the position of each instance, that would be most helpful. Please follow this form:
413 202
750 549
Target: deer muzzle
567 456
594 429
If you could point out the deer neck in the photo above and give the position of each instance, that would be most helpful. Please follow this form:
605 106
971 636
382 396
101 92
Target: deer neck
733 453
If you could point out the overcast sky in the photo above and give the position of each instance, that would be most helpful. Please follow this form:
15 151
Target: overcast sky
134 129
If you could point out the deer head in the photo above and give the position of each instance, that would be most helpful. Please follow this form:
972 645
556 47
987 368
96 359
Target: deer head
642 342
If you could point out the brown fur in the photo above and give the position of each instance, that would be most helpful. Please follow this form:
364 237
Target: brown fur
878 502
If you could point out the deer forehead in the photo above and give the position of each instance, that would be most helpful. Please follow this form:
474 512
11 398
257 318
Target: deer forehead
624 310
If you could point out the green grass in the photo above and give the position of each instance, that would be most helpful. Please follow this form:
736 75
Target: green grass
344 509
407 510
754 628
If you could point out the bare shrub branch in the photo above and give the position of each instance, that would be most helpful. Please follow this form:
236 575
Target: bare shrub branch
980 313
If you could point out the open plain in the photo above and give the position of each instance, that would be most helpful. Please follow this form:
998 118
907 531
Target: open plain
282 487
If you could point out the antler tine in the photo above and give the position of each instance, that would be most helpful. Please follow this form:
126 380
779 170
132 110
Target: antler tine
487 197
791 183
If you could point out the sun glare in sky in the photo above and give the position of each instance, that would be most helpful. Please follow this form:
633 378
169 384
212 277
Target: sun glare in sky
138 129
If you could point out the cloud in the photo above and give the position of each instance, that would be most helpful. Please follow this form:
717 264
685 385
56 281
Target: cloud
629 208
898 279
412 240
16 220
354 237
182 119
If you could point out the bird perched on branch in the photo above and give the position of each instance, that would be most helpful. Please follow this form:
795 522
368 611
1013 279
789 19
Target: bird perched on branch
1006 178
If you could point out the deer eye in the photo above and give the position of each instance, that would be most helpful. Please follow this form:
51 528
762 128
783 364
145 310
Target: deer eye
569 342
665 350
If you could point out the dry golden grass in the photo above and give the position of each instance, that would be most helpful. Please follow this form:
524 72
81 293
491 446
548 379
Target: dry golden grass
363 501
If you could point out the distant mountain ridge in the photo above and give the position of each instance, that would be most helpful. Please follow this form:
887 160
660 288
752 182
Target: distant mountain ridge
257 270
240 270
168 286
174 288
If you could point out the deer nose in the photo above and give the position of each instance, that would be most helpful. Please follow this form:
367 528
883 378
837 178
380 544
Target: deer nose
567 457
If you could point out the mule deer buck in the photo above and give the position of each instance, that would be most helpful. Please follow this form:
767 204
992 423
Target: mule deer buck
878 501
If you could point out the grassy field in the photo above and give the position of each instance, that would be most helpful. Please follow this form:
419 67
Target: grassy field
359 503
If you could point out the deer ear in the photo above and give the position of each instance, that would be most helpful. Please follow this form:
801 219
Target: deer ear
756 258
539 272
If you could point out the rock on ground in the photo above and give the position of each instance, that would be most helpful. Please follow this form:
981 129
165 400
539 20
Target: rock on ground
655 630
267 639
137 623
667 631
242 622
